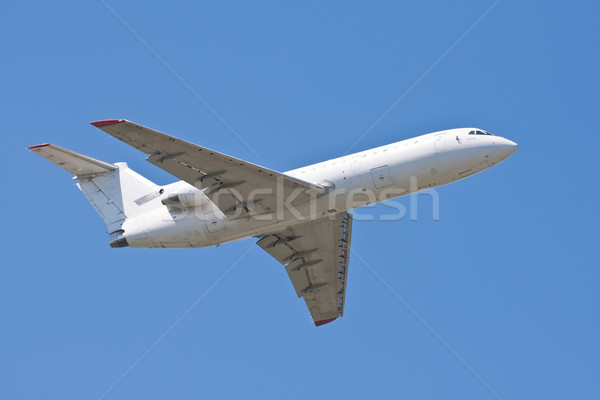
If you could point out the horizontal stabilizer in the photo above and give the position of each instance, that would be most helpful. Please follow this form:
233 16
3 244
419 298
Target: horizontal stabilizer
75 163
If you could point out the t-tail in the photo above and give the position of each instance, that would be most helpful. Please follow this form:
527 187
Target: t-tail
115 191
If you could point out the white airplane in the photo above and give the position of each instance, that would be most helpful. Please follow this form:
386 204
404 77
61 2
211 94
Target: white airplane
301 216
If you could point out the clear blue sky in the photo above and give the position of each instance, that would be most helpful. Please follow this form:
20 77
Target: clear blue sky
508 277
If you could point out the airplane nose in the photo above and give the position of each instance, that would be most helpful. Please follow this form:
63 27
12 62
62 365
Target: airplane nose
505 148
512 144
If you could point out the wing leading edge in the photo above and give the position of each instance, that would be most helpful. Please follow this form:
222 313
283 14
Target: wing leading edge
237 187
315 255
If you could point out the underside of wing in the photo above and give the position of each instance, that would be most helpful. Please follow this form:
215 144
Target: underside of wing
315 255
237 187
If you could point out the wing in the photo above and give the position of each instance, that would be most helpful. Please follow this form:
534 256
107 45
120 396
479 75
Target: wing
315 255
237 187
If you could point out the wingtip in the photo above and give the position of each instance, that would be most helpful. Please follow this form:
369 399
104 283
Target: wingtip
106 122
324 321
38 146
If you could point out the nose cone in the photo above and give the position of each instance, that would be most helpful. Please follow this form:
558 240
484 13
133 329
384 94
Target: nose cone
505 148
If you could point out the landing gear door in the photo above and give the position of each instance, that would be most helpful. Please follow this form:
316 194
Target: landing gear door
439 142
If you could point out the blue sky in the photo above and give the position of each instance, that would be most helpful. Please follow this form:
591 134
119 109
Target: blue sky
507 277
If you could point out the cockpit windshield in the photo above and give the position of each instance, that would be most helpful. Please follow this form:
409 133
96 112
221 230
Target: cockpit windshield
480 133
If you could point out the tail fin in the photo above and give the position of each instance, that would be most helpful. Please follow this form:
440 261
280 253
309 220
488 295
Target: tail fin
115 191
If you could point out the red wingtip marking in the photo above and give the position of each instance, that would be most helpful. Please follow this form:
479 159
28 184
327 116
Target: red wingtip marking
106 122
324 321
39 145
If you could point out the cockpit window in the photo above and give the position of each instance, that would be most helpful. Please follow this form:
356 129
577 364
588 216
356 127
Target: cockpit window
480 133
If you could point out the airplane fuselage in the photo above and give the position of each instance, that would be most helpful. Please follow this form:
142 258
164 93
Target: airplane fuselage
354 181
